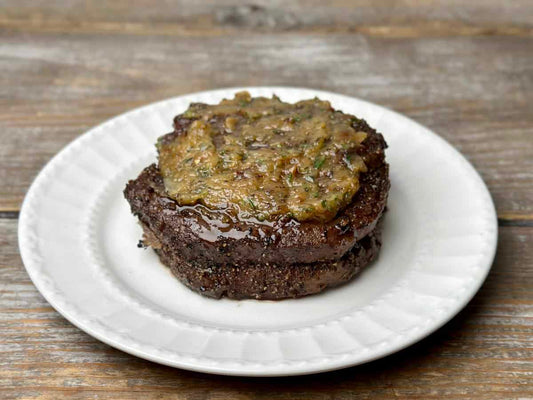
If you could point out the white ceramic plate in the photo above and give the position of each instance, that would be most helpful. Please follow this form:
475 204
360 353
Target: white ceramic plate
78 242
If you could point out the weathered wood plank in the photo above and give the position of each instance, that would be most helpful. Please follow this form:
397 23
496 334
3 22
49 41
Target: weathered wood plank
475 91
485 352
388 18
464 69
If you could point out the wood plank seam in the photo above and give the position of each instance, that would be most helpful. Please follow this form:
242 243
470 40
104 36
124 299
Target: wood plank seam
9 214
515 222
199 27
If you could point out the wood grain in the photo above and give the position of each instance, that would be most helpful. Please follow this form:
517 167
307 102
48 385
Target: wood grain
386 18
464 69
54 87
485 352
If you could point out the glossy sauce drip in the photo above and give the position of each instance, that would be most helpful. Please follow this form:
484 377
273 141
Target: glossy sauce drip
212 226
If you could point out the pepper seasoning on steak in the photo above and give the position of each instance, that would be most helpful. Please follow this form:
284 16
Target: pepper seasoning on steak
258 198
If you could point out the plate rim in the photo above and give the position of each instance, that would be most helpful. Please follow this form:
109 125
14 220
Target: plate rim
236 371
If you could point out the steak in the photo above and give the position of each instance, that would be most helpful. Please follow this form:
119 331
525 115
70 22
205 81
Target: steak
268 281
219 254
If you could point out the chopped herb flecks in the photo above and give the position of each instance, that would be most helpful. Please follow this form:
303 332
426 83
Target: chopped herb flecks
252 204
319 161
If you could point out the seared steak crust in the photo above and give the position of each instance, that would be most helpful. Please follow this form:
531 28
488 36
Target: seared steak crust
267 281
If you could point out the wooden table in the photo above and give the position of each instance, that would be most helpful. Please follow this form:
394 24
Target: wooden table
464 69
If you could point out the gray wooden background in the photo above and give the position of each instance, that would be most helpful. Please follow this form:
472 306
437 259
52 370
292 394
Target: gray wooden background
462 68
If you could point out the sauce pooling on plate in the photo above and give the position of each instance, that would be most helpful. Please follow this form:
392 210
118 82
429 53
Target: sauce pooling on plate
263 158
